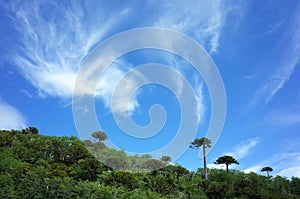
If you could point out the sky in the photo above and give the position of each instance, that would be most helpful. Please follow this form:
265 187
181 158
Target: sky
254 45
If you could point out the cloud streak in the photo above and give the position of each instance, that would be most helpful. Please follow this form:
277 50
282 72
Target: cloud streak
52 46
285 62
203 20
283 117
243 149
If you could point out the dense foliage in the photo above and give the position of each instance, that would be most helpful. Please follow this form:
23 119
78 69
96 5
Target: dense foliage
36 166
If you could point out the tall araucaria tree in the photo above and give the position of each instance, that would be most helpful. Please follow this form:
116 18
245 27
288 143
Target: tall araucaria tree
204 143
267 169
227 160
101 136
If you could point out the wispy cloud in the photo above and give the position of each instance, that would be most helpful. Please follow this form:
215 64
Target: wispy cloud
10 117
290 171
283 117
275 27
285 163
247 77
53 45
183 68
200 100
125 100
243 149
285 62
240 151
203 20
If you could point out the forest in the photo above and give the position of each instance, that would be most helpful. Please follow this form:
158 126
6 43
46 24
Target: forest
40 166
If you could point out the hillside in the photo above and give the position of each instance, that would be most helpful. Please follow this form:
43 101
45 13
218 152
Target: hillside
38 166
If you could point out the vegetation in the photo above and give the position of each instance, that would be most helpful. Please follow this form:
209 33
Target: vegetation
101 136
37 166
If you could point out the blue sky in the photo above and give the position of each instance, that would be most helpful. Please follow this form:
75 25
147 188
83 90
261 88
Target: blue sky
254 44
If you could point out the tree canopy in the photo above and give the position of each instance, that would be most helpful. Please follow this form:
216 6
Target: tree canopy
101 136
227 160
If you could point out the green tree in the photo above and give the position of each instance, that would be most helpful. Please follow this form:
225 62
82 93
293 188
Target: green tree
295 186
166 159
101 136
205 143
227 160
267 169
117 162
153 164
30 130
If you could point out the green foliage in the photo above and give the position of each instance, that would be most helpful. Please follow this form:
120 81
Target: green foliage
36 166
30 130
197 143
227 160
166 158
295 186
101 136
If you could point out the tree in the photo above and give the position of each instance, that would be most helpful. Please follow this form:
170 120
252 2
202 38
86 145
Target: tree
30 130
153 164
101 136
205 143
295 186
267 169
227 160
166 159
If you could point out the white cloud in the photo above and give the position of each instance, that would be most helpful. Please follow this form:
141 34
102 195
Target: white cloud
196 82
254 169
290 172
285 62
54 45
285 164
247 77
283 117
200 101
202 20
244 148
216 166
10 117
125 101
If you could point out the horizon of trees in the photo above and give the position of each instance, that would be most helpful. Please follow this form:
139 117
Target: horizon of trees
39 166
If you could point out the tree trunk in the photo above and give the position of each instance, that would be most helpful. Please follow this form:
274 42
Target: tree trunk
204 155
227 168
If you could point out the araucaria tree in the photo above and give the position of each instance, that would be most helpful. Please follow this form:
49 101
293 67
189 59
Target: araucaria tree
101 136
227 160
267 169
204 143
